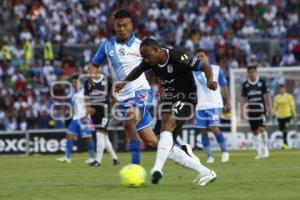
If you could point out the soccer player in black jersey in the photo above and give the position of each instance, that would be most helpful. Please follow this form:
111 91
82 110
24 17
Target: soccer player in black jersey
255 93
95 91
174 69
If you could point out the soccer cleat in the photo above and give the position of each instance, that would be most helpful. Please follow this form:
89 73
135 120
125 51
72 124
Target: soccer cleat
90 160
95 164
156 176
116 162
204 180
64 160
257 157
210 160
188 150
225 157
285 147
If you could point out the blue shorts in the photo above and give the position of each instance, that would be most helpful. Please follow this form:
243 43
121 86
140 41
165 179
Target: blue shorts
207 118
142 101
80 129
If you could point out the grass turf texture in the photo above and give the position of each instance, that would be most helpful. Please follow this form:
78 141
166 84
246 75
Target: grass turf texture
42 177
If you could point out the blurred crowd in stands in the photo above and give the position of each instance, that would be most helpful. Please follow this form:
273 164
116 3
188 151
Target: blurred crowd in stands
43 41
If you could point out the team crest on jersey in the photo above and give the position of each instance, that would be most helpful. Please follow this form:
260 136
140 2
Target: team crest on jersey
170 68
142 96
259 84
122 52
184 57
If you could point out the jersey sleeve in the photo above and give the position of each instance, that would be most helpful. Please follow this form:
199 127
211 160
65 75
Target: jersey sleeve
192 62
144 67
222 79
264 87
100 55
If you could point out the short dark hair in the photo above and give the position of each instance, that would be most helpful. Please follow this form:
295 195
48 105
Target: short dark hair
120 14
75 77
149 42
201 50
251 67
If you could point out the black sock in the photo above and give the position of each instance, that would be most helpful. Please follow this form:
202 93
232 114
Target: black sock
285 137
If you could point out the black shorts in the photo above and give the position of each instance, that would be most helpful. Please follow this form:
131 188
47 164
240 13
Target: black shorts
181 108
256 120
100 117
283 123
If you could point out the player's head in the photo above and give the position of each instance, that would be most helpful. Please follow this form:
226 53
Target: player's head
75 81
200 53
281 88
252 72
150 51
123 25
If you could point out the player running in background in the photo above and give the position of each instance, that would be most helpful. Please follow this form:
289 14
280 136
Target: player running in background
96 92
254 96
81 123
174 69
208 108
284 109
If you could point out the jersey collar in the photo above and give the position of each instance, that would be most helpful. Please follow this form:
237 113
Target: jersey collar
130 41
161 66
255 82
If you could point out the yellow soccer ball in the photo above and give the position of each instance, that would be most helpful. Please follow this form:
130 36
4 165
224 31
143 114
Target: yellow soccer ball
133 175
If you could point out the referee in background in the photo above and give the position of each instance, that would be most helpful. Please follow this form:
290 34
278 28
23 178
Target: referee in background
284 109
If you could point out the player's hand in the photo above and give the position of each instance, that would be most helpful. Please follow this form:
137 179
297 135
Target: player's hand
273 119
119 86
212 85
294 119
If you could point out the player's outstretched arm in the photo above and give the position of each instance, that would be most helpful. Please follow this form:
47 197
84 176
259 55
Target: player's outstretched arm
134 74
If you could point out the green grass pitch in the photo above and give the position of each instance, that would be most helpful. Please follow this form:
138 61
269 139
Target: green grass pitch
41 177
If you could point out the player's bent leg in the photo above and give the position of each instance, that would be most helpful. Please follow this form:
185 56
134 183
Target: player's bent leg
132 117
148 136
164 146
109 148
221 140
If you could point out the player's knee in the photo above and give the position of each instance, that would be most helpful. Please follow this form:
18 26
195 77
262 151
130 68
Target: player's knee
153 142
168 123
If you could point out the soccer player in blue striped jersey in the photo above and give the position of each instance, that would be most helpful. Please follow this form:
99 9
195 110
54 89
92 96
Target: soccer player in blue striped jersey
208 108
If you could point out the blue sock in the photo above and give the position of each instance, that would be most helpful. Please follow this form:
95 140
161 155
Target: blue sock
221 141
135 151
206 145
91 148
69 146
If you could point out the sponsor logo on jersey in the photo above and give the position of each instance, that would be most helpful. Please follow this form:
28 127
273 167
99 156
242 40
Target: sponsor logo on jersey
184 57
111 53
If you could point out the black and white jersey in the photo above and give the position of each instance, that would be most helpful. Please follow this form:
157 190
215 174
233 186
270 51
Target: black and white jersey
176 74
255 94
97 92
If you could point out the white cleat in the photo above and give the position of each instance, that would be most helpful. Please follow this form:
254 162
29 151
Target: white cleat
257 157
210 160
204 180
225 157
188 150
64 160
89 161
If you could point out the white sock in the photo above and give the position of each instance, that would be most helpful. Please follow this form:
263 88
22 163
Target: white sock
164 147
180 157
258 145
100 145
109 148
265 139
